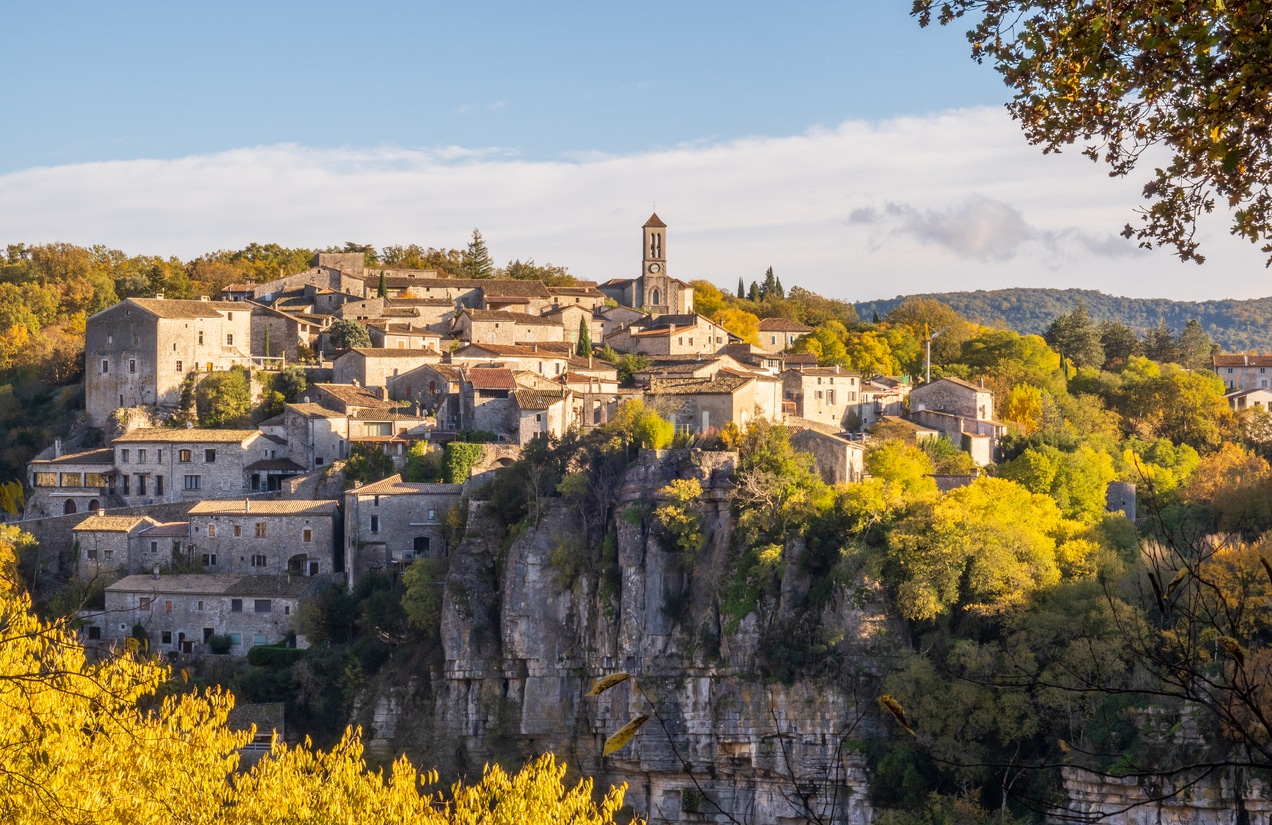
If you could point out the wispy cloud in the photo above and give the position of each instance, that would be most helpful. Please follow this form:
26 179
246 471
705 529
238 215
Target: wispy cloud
952 201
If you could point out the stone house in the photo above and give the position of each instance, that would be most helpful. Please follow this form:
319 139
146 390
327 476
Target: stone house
503 327
108 546
548 359
139 351
880 396
162 464
776 334
486 400
281 537
181 613
822 394
160 546
1249 399
391 523
584 295
315 435
409 335
1244 372
542 412
327 272
689 334
569 316
277 334
376 367
512 295
348 398
433 388
839 460
435 314
962 412
79 482
695 405
654 290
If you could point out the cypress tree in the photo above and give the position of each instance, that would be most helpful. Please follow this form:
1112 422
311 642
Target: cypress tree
781 293
585 339
383 291
754 294
741 288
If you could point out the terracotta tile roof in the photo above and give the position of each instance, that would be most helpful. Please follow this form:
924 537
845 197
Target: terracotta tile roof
188 435
284 507
357 396
655 221
484 316
402 414
538 399
579 291
721 384
310 410
395 352
169 529
238 287
173 308
103 456
783 325
395 486
111 524
1243 360
490 378
555 349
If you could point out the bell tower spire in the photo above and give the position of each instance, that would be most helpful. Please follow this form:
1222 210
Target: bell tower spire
655 285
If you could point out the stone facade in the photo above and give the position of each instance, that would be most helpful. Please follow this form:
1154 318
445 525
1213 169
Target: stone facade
822 394
391 523
654 290
267 537
776 334
542 412
838 460
955 397
376 367
696 405
108 545
139 351
163 465
179 613
315 435
689 334
279 335
78 482
1244 372
503 327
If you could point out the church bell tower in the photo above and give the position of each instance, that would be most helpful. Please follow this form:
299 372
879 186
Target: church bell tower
655 285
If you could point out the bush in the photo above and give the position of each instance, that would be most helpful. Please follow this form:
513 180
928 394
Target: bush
220 643
274 656
458 459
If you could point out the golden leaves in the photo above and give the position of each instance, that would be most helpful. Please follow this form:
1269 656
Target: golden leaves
623 735
894 707
606 682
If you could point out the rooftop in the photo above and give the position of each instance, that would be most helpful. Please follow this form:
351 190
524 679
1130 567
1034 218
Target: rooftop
490 378
1243 360
538 399
392 352
214 584
111 524
395 486
244 507
484 316
357 396
169 529
721 384
187 435
178 309
101 456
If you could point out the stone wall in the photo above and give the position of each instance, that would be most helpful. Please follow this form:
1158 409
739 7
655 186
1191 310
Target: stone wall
1225 798
57 541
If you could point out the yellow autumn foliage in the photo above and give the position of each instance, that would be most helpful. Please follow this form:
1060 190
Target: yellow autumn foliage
85 741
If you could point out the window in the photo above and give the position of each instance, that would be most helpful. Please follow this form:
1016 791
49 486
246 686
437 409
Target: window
211 530
109 554
123 456
199 606
106 367
191 482
179 367
259 560
209 560
165 638
91 554
167 606
94 633
287 610
200 336
209 456
378 428
158 485
124 481
261 530
184 456
229 339
144 603
132 365
154 547
318 461
158 456
236 605
264 606
141 485
306 535
432 515
258 638
238 530
141 456
375 524
236 639
420 545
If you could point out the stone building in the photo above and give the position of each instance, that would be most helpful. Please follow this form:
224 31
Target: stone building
962 412
839 460
547 359
408 334
180 613
486 400
431 388
776 334
290 536
139 351
504 327
79 482
654 290
690 334
315 435
695 405
376 367
584 294
277 334
1244 372
391 523
162 464
822 394
109 546
542 412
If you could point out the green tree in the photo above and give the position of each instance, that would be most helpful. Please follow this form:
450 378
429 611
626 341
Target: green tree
423 583
1161 345
291 382
477 263
458 460
1158 74
367 464
585 339
741 289
530 271
1076 338
347 334
1120 342
224 399
382 290
1194 346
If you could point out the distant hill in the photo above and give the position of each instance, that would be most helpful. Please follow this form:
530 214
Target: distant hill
1237 326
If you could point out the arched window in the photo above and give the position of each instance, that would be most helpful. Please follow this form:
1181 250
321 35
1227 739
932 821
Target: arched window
69 507
653 298
94 506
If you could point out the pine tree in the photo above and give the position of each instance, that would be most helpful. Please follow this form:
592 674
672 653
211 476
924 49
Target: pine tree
477 263
383 291
769 286
741 288
585 339
874 318
781 293
754 294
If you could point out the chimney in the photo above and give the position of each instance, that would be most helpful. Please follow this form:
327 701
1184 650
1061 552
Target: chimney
353 381
247 505
159 295
57 448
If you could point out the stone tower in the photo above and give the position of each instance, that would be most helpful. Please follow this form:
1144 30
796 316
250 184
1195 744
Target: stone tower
655 287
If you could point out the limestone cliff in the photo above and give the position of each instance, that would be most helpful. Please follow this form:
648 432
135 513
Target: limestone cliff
523 637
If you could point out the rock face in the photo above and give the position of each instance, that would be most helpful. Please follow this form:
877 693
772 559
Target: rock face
524 636
1219 799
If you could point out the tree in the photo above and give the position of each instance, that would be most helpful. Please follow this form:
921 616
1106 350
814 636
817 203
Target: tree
382 291
224 399
367 464
769 285
745 325
477 262
1194 346
1186 77
530 271
1120 342
1076 338
1161 345
708 299
291 382
347 334
925 316
741 289
585 339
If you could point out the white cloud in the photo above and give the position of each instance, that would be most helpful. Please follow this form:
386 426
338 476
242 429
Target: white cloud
956 200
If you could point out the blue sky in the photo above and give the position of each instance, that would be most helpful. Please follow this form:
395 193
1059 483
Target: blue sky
836 141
